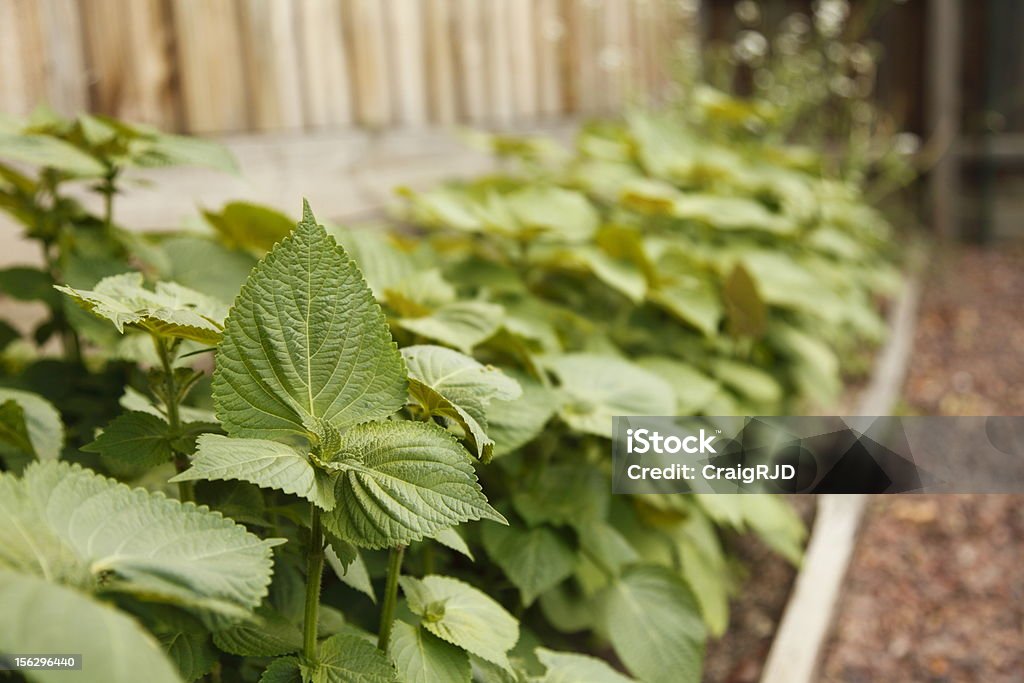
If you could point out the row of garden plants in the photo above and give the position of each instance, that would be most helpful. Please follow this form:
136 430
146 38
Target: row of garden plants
262 451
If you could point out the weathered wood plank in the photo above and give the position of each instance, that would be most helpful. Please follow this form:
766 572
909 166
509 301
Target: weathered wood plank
498 58
209 51
271 63
129 52
325 82
408 65
440 26
66 76
469 54
550 38
366 31
523 59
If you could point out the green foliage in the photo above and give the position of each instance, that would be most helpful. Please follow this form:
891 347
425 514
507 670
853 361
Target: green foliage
363 381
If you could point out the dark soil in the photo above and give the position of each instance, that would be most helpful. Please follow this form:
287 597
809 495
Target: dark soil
935 592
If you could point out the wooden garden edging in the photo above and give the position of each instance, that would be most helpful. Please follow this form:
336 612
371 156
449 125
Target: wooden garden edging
797 650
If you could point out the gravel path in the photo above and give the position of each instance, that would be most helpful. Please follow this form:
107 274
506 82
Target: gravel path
935 592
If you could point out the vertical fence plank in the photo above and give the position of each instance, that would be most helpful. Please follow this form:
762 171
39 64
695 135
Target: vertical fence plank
28 70
324 77
550 36
366 33
129 51
210 58
523 55
66 77
498 59
12 82
441 61
408 63
271 64
470 56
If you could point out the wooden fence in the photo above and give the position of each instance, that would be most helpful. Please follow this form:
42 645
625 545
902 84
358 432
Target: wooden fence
255 65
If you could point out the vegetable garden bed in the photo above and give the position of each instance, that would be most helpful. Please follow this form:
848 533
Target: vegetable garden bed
375 391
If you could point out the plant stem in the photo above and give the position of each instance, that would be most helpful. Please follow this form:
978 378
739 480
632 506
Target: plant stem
108 190
387 610
186 489
314 574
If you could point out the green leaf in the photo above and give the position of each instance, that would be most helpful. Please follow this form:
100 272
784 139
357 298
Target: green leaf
271 635
513 424
28 284
192 653
283 670
705 570
29 425
557 214
134 442
692 299
654 625
346 658
570 667
187 150
694 390
188 259
171 310
73 526
305 341
463 616
746 312
40 617
461 325
421 657
563 494
450 538
419 293
400 482
43 150
354 573
382 260
731 213
534 560
748 380
449 384
268 464
249 226
778 525
599 387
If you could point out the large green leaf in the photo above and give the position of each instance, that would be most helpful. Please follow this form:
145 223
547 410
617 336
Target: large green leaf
731 213
43 150
249 226
73 526
598 388
654 625
513 424
400 482
29 426
569 667
267 464
694 390
692 299
421 657
41 617
346 658
462 615
171 310
461 325
449 384
557 214
705 570
534 560
268 636
305 342
133 442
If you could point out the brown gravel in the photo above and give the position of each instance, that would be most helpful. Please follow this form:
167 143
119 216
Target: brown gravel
935 592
